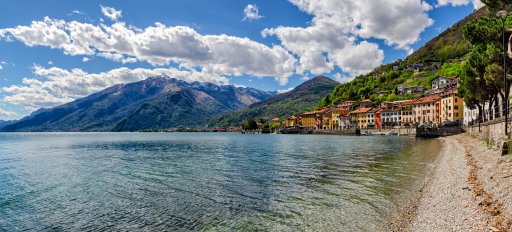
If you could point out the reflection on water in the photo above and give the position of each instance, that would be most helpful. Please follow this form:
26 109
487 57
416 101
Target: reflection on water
180 181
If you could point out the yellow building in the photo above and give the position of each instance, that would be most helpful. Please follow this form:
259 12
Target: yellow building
292 121
406 109
452 108
308 119
360 117
338 118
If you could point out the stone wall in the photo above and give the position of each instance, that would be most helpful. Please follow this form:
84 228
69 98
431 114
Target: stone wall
401 131
492 133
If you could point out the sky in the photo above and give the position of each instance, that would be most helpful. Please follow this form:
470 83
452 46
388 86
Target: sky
55 51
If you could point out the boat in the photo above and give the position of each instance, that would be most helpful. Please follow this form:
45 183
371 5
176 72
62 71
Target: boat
392 133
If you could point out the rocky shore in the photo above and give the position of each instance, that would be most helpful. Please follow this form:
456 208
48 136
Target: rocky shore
469 189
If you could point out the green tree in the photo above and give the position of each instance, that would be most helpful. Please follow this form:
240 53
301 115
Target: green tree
250 125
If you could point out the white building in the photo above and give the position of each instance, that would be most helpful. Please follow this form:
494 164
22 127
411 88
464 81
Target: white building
390 118
472 114
371 118
441 82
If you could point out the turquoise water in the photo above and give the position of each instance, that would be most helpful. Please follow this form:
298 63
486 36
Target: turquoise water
201 181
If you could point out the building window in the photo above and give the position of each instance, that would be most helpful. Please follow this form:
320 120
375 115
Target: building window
456 107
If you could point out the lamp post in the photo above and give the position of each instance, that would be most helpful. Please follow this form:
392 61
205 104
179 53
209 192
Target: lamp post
503 15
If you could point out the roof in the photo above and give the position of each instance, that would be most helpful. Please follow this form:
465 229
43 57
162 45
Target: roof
366 100
427 100
411 102
449 78
275 119
390 110
361 110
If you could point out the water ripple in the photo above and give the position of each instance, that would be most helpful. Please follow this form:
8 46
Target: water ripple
203 182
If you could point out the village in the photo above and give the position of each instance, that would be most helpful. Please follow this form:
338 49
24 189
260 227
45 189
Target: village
438 106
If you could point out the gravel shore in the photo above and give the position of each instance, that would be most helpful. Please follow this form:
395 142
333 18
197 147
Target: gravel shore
467 191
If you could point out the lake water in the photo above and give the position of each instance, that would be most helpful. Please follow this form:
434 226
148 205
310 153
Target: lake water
205 181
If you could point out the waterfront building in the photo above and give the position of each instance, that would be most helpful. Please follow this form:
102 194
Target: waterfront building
370 115
338 118
427 109
390 118
406 110
452 108
313 119
292 121
359 117
308 119
378 122
470 115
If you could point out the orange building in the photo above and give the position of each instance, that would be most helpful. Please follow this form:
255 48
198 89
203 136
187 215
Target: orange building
427 109
406 109
363 118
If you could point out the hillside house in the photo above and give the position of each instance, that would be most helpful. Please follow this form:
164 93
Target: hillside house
441 82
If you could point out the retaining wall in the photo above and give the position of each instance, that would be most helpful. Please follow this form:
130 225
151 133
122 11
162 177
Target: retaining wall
491 132
401 131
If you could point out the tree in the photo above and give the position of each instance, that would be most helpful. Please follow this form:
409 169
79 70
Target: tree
392 97
250 125
497 4
482 74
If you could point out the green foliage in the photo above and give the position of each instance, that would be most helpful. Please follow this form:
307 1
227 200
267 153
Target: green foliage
450 69
392 97
250 125
495 5
274 125
482 74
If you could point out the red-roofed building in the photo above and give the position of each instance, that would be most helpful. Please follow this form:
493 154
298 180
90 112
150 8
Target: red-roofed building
427 109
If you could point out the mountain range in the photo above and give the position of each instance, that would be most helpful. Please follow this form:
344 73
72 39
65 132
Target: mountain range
163 102
303 98
155 103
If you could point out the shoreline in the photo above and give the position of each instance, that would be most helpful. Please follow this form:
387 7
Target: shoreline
466 190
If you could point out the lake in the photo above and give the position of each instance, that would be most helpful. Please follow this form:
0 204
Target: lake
206 181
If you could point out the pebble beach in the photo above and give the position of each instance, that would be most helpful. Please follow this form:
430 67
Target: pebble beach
469 189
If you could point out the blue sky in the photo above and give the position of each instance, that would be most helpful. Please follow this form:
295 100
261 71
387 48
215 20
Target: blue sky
47 57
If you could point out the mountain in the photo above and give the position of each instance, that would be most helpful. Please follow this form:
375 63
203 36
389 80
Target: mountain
303 98
449 44
440 56
6 122
155 103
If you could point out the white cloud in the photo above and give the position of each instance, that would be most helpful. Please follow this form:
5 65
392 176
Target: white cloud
338 24
159 45
85 59
111 13
1 67
477 4
55 86
6 113
50 62
77 12
285 90
252 12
